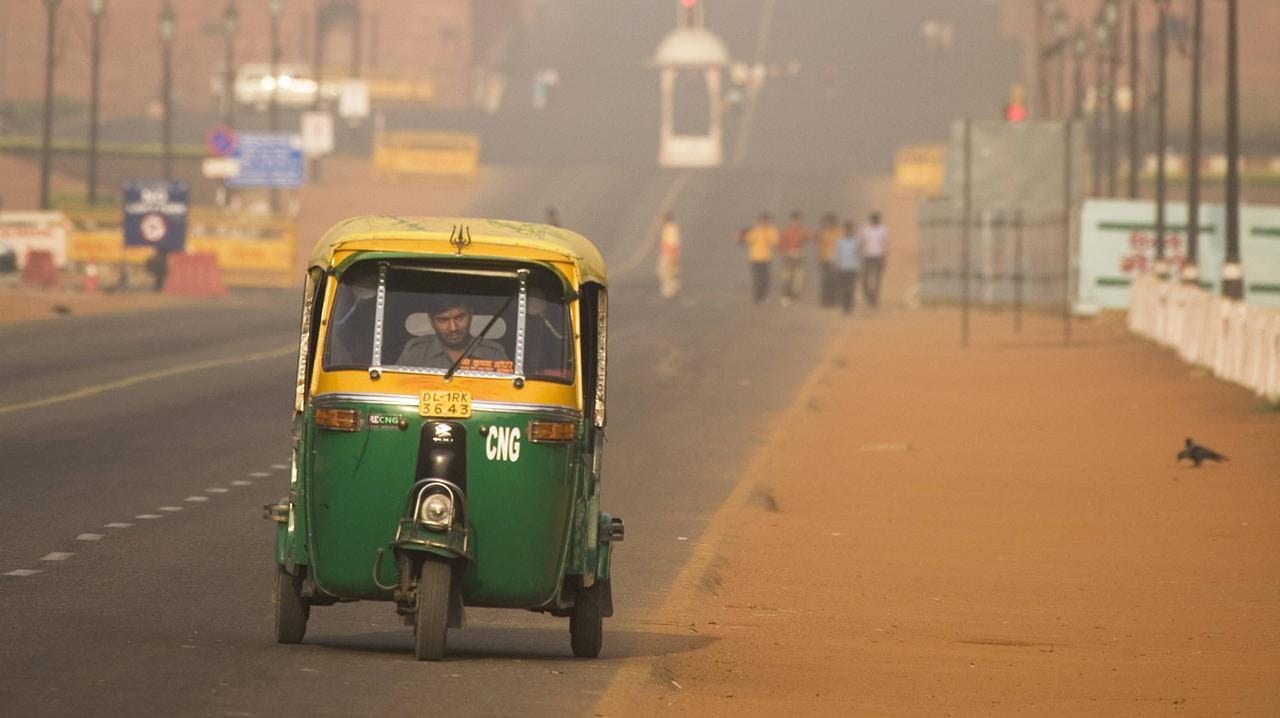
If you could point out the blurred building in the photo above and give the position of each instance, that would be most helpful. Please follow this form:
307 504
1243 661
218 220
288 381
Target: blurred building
441 43
1259 60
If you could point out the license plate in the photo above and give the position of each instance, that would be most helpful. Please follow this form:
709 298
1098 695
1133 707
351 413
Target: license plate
445 403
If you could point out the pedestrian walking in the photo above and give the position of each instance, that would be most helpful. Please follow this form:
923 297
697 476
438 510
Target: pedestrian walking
553 217
846 261
828 235
791 245
760 240
875 250
669 257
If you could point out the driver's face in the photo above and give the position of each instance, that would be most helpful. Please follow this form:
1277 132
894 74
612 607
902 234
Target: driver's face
453 326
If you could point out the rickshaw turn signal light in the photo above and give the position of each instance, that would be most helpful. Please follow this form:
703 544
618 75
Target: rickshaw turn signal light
551 431
338 419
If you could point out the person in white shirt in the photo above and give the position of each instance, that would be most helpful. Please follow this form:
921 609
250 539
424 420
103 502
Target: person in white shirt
875 249
669 257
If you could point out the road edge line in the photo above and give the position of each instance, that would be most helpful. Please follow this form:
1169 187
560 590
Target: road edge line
629 679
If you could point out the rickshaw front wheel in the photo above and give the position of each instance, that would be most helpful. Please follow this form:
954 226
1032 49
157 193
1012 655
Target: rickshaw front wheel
431 623
586 623
292 610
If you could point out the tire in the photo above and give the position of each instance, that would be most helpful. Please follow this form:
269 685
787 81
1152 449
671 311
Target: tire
586 624
431 620
292 610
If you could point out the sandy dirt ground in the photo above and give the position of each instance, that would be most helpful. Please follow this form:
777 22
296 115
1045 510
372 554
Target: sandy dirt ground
1001 530
992 531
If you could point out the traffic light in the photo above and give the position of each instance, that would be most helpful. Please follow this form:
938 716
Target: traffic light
688 4
1015 110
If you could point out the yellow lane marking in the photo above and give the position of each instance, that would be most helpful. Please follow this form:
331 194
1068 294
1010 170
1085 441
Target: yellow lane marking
88 391
636 674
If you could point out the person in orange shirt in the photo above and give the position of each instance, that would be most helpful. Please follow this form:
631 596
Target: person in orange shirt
828 235
760 240
791 244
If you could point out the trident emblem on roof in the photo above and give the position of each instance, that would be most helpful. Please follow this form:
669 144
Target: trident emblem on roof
460 237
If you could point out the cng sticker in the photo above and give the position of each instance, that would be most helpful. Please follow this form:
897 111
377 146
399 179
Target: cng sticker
502 443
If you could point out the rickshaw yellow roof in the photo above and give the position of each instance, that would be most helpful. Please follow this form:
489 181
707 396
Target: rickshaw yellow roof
388 233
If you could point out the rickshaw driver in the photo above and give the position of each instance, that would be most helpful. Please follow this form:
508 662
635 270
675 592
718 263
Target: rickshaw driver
451 320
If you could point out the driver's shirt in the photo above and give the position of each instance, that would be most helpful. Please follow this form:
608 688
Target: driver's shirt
430 352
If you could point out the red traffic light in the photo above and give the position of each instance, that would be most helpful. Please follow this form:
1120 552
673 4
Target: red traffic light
1015 112
689 3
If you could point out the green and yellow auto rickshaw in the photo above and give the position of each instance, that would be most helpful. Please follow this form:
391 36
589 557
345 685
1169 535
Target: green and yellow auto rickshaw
449 428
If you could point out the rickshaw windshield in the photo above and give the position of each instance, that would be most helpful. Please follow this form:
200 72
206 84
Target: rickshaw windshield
416 318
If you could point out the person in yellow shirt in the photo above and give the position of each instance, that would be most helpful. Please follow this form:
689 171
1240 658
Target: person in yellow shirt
760 240
828 235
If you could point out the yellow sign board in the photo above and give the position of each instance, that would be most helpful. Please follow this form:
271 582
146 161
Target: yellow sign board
407 154
251 251
920 167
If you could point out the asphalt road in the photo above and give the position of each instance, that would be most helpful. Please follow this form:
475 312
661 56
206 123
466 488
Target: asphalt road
137 450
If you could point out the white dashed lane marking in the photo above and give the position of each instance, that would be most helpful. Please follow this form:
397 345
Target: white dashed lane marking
195 498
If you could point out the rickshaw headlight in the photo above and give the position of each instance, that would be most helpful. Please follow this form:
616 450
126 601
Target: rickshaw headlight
436 511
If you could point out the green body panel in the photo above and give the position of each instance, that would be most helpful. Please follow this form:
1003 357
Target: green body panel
353 492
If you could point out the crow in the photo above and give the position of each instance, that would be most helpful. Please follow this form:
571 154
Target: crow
1198 454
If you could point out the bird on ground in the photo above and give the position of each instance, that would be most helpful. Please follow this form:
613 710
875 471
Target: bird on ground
61 310
1198 454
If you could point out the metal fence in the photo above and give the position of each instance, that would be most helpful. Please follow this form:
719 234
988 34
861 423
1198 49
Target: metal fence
1013 257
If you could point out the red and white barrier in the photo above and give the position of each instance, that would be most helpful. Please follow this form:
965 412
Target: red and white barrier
39 269
1238 342
194 275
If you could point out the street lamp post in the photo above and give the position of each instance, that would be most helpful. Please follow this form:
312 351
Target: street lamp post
275 8
1232 272
1079 45
46 136
1135 148
96 9
230 20
1100 93
1062 40
166 29
1191 269
1111 16
1162 111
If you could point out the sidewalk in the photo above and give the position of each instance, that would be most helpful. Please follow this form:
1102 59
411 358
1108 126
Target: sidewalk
1001 530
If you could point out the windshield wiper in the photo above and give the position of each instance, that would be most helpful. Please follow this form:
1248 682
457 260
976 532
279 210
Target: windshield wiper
476 339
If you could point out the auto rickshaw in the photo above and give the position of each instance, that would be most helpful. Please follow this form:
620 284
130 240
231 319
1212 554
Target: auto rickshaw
449 428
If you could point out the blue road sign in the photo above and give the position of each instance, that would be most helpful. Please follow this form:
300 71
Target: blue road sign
155 214
269 159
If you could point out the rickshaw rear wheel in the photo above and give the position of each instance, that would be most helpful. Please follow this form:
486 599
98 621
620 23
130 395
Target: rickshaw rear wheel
292 610
586 623
431 622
